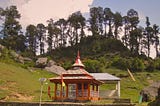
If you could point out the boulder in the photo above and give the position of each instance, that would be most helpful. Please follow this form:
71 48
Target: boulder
51 63
17 57
55 69
41 62
20 59
27 59
151 91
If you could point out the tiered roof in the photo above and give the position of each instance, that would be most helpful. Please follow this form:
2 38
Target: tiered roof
77 74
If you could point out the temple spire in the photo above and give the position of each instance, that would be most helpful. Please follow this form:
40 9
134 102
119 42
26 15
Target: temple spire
78 62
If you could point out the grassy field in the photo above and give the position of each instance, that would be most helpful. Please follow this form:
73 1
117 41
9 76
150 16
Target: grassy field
19 84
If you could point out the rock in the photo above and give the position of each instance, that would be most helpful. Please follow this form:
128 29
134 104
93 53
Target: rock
55 69
1 47
20 59
41 62
17 57
51 63
27 59
152 90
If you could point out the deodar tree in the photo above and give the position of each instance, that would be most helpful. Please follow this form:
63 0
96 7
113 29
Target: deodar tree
11 29
31 39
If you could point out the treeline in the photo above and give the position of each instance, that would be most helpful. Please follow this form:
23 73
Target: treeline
69 32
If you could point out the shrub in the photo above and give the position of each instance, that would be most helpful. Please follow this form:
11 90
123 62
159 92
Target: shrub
66 65
137 64
150 66
120 63
157 63
92 65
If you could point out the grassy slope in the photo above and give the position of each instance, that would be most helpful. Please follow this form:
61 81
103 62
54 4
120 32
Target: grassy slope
18 84
16 80
129 88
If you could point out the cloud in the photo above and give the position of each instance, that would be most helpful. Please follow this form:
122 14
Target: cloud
39 11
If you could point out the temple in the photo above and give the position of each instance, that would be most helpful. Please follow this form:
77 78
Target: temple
76 84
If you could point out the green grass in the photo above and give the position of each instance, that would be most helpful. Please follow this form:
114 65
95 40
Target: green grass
17 80
129 88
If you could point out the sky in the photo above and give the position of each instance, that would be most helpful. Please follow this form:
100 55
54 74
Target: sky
39 11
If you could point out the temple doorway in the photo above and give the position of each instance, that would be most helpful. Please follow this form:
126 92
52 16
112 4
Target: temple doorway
72 91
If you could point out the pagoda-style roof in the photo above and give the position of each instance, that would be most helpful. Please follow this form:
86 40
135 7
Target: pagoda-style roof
76 71
78 75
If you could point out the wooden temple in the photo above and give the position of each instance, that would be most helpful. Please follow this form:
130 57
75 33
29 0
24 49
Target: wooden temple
76 84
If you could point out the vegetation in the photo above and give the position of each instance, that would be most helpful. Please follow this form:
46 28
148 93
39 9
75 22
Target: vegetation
70 32
115 38
108 42
19 84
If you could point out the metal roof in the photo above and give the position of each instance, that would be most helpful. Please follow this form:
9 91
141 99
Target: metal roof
104 77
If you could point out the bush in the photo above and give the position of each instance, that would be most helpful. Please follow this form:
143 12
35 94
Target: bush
120 63
66 65
137 64
92 65
150 66
157 63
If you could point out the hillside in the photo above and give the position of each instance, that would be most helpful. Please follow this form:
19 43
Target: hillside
92 47
19 84
131 89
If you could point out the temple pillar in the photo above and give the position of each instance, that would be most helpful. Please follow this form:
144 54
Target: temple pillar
89 94
66 90
97 91
61 91
76 90
92 87
55 91
82 89
118 88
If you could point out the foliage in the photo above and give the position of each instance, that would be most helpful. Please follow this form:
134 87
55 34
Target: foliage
92 66
120 63
31 40
103 23
66 65
11 31
93 45
157 63
150 66
137 64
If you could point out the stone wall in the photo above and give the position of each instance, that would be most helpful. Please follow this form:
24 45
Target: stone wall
36 104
